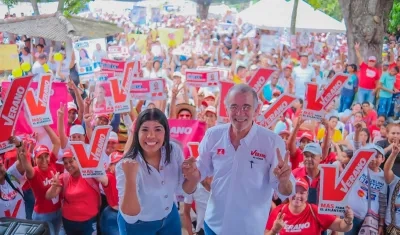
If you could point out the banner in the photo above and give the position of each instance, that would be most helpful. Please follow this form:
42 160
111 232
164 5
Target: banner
155 14
138 15
103 102
224 87
334 188
260 78
88 54
91 161
117 52
59 94
202 78
193 149
316 101
112 65
171 37
276 110
120 91
10 110
104 75
148 89
9 58
267 43
37 103
140 42
224 74
186 131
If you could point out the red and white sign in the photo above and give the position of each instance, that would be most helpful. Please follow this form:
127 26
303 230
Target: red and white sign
104 75
193 149
334 188
9 112
198 78
276 110
148 89
316 101
224 87
103 102
120 91
224 74
260 78
91 161
186 131
112 65
37 102
118 51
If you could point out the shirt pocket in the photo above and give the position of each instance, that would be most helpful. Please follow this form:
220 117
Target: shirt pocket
256 173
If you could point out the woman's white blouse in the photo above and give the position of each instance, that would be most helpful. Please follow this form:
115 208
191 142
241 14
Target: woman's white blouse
156 190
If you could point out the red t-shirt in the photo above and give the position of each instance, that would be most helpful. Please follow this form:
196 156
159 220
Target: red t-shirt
303 223
80 196
374 131
331 158
297 159
111 190
397 82
371 117
40 183
368 77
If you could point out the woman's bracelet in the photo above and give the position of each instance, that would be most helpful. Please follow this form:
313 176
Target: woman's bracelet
348 223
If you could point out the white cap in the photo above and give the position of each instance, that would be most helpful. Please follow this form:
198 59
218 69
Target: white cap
372 58
72 105
209 94
76 129
313 148
113 137
253 67
241 53
211 109
177 74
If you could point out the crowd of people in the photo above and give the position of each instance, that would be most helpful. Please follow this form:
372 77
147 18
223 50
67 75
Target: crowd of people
226 189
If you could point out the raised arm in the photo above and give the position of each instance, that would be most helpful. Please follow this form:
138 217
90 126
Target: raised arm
387 169
54 140
23 158
61 127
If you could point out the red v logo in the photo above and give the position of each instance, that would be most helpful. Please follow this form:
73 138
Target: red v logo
14 214
92 157
120 91
38 104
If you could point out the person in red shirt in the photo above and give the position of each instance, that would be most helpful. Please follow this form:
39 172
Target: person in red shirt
109 215
81 197
299 217
39 178
73 117
370 115
368 78
296 153
375 130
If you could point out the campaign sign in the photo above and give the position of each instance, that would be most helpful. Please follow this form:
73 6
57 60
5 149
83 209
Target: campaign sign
9 112
224 87
120 91
334 188
91 161
117 52
203 78
193 149
103 102
260 78
276 110
112 65
187 131
148 89
37 103
316 101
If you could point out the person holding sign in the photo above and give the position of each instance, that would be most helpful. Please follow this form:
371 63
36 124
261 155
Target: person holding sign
79 194
392 220
148 177
299 217
246 161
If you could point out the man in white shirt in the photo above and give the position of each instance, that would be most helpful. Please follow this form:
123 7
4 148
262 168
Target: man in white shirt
37 68
248 163
301 75
99 54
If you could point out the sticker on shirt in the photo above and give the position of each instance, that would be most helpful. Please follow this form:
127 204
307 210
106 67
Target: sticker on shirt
370 73
258 155
220 152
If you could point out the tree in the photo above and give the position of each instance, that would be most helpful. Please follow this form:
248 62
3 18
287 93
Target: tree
294 16
394 20
202 8
366 22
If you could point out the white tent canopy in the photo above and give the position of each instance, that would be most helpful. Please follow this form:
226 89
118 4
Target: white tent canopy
276 14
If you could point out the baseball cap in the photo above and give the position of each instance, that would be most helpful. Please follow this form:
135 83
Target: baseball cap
115 157
372 58
378 148
307 136
302 183
253 67
313 148
289 66
68 153
177 74
226 57
209 94
113 137
72 106
103 116
40 149
77 129
211 109
284 132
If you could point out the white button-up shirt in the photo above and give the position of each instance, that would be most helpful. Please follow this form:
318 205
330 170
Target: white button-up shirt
156 190
244 182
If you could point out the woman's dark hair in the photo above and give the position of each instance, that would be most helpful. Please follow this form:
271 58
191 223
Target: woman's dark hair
156 61
331 73
367 132
150 115
27 49
353 66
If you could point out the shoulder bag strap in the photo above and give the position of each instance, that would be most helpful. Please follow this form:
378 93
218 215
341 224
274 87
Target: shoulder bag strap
369 190
392 203
9 181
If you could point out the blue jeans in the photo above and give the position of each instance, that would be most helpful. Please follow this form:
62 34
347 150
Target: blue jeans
29 203
357 223
108 221
53 219
365 95
207 230
167 226
384 106
345 103
87 227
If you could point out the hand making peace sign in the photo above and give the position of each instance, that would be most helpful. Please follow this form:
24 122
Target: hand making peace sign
283 170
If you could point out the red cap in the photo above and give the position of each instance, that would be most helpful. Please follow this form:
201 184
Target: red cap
302 183
115 157
284 132
68 153
103 116
40 149
307 136
289 66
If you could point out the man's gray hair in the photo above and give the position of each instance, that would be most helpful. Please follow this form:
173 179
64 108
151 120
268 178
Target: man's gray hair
242 88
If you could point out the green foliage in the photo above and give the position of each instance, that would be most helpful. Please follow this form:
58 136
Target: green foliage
394 17
9 3
73 7
329 7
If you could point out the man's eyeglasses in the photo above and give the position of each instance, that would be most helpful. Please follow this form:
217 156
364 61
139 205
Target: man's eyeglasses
234 108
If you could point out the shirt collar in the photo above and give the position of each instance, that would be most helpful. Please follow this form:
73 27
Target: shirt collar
249 137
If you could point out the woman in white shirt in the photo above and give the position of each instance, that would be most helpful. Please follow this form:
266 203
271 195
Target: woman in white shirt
148 178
